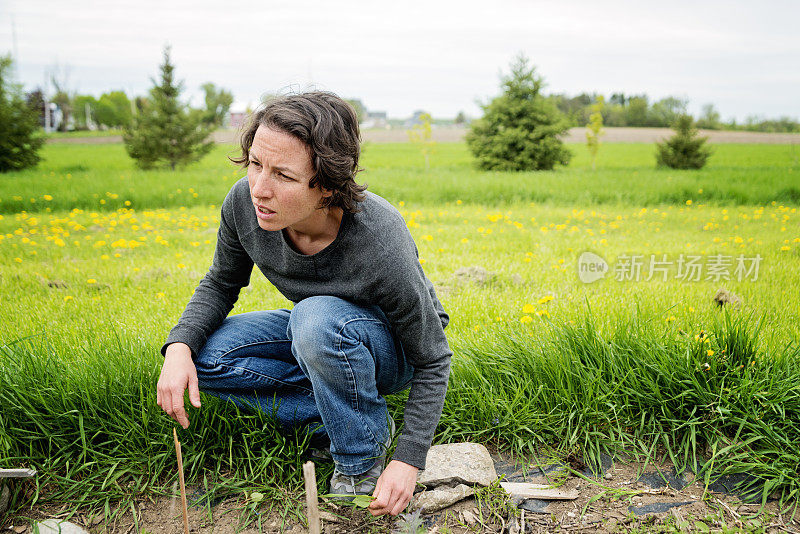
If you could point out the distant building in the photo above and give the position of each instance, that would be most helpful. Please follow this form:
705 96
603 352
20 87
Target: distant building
375 119
236 119
415 119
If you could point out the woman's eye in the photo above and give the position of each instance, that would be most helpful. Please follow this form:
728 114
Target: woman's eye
257 164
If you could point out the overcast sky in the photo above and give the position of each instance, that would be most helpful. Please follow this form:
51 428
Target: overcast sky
742 56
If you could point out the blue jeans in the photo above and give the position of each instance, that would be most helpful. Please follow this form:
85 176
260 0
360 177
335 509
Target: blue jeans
326 364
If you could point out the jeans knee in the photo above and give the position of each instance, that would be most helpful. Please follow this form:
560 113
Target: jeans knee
313 326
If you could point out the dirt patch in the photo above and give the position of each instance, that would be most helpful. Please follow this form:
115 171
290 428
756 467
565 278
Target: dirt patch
625 495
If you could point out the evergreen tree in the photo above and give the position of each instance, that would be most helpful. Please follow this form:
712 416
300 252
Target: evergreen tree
519 129
684 150
20 139
164 131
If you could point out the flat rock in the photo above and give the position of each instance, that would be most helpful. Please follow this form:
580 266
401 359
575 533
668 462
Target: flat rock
458 463
436 499
54 526
522 490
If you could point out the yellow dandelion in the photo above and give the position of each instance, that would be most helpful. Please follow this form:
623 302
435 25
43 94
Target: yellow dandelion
160 295
670 319
181 266
525 319
458 202
543 313
91 281
528 308
545 299
709 352
464 240
18 260
68 298
47 197
689 202
427 237
104 257
476 327
784 248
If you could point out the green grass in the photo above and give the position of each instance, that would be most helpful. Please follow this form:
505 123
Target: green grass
71 177
541 359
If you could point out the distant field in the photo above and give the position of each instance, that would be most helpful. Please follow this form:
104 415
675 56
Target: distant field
454 135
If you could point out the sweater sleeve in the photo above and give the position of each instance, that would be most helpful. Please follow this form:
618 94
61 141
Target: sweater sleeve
218 291
407 298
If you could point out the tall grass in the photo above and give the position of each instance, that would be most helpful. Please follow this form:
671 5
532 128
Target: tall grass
94 433
92 430
714 403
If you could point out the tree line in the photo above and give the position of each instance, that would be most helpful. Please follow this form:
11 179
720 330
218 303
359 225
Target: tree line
637 110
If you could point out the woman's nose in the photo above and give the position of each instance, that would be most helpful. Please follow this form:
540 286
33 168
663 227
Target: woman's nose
262 187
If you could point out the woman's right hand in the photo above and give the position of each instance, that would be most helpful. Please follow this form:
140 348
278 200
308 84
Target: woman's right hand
177 374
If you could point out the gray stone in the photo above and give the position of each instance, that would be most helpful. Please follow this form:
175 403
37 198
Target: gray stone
458 463
436 499
537 506
54 526
656 507
5 497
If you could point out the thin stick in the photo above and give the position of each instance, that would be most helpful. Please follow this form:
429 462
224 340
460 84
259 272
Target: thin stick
180 478
311 498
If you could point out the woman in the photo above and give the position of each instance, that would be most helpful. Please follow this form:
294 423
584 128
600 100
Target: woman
366 320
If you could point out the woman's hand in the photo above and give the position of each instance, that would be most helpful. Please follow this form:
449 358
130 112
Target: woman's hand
177 374
394 488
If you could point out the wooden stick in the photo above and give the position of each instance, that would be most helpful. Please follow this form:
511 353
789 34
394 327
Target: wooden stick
180 478
311 498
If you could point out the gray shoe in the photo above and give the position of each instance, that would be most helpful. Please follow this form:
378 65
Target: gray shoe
363 484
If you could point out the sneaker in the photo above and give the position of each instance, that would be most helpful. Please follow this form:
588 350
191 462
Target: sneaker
363 484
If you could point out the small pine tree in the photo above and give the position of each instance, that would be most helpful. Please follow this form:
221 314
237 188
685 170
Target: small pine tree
519 129
594 130
684 150
164 132
20 139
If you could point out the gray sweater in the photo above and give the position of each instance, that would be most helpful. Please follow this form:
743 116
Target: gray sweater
373 260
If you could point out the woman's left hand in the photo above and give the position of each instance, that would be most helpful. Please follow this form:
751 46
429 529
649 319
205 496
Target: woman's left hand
394 488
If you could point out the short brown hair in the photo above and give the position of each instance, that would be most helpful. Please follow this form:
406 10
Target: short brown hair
328 126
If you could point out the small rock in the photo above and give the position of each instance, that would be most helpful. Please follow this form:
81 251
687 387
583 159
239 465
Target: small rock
570 514
458 463
434 500
608 476
469 517
724 297
54 526
5 496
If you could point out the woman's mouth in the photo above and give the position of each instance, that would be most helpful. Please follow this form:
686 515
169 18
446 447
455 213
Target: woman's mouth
264 213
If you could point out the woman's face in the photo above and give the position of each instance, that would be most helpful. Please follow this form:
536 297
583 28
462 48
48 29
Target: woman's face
279 172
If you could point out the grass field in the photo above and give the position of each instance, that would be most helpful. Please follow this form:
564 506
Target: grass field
98 260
